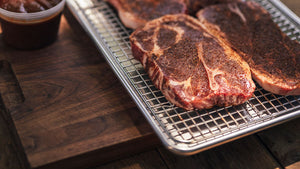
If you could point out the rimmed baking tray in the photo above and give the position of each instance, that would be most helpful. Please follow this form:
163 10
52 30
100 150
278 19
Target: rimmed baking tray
186 132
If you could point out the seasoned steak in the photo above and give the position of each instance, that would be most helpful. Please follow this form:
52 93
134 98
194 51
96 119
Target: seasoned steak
135 13
273 57
191 67
194 6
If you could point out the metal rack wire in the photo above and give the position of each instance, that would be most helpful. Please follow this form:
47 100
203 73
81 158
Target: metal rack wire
186 132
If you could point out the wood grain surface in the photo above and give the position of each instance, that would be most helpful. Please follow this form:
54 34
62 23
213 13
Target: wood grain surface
149 159
246 153
283 142
74 107
71 111
293 5
12 153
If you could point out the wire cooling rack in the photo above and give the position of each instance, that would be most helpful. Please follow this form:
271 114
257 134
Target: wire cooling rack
186 132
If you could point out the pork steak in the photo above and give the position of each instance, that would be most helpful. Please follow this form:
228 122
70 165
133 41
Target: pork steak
191 67
273 57
135 13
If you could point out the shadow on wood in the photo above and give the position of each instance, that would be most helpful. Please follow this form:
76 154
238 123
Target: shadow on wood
12 155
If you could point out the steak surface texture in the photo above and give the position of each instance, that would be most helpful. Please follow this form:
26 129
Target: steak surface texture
192 68
194 6
274 58
135 13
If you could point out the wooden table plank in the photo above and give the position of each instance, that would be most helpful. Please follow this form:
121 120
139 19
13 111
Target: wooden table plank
12 154
76 113
74 108
146 160
294 5
245 153
284 143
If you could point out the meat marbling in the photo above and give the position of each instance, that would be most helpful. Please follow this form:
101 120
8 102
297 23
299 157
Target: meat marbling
273 57
192 68
194 6
135 13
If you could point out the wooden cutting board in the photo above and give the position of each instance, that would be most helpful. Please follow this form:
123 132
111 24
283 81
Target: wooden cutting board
69 108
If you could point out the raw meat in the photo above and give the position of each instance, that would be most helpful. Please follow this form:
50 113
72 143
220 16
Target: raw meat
135 13
273 57
195 5
191 67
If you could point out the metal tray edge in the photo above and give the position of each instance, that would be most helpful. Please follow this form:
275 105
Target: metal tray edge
147 112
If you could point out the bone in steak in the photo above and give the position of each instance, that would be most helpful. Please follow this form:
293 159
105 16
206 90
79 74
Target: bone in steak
190 66
135 13
273 57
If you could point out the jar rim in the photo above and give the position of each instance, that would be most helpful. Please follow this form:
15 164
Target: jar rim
17 16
